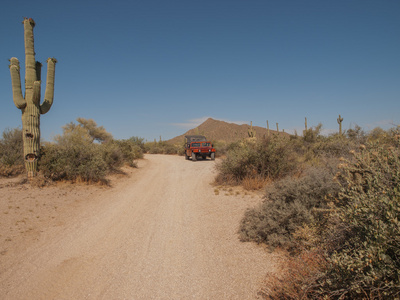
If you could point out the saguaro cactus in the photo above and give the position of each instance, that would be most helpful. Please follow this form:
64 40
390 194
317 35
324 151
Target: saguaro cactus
340 120
251 132
30 104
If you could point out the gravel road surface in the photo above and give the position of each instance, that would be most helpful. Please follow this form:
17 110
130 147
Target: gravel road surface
162 233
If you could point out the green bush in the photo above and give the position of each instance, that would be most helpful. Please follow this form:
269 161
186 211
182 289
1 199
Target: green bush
266 158
289 204
76 155
120 152
73 162
162 147
221 147
139 142
11 152
366 260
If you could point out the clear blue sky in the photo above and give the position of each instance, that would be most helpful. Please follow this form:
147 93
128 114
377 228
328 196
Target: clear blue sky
160 67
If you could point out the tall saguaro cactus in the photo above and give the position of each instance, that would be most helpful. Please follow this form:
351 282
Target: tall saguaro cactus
251 132
340 120
30 104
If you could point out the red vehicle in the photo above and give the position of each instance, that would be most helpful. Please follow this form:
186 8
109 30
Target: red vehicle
197 146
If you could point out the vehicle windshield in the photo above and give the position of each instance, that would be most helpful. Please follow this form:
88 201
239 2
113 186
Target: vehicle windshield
207 144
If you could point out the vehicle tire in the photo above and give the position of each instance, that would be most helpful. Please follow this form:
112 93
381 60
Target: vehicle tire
194 157
213 156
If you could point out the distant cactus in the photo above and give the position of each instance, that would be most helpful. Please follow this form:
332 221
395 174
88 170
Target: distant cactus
305 123
30 104
277 127
267 128
340 120
251 132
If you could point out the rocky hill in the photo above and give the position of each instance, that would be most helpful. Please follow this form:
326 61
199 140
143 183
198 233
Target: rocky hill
216 130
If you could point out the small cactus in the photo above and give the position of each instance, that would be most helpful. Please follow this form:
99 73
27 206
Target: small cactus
267 128
277 127
340 120
305 123
30 104
251 132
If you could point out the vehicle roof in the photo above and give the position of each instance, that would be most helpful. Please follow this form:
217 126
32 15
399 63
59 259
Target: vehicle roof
195 138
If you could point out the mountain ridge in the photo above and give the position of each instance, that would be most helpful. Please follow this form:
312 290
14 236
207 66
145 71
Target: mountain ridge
216 130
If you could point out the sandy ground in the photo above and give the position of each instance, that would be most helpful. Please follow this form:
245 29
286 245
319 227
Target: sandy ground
160 232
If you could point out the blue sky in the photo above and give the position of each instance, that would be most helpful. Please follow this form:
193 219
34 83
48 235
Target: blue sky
155 68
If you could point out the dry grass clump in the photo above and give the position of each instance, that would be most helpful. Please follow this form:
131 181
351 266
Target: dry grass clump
297 277
256 182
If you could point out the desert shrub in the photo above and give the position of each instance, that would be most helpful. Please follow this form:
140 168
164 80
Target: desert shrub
387 137
267 158
138 141
289 204
73 162
95 132
162 147
11 152
297 277
366 260
312 134
342 231
120 152
76 155
11 147
394 136
221 147
333 147
356 134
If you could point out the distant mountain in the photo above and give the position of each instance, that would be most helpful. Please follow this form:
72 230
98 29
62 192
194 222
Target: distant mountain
215 130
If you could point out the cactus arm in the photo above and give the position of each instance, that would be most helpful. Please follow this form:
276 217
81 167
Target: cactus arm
36 92
49 93
19 100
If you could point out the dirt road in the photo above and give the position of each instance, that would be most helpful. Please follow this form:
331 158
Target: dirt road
162 233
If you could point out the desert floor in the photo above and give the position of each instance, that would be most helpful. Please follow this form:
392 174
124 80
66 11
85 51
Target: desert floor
161 231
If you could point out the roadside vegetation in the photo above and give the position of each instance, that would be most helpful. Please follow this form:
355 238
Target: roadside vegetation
84 152
331 206
163 147
11 153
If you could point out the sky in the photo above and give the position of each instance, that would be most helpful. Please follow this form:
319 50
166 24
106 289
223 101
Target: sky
154 68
